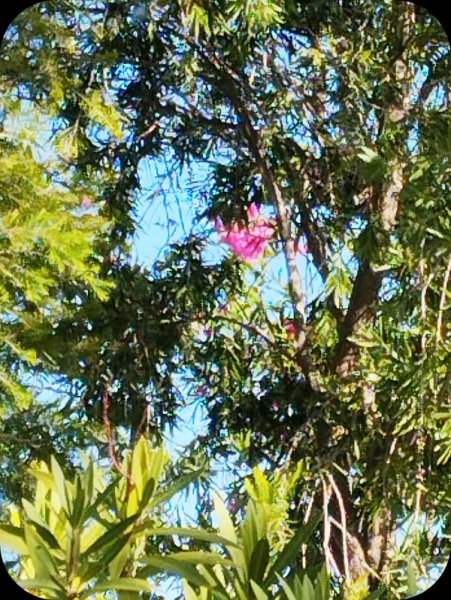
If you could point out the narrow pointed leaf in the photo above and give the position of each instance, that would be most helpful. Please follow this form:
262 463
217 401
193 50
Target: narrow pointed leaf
191 532
79 503
308 592
101 498
149 489
129 584
259 593
288 592
110 535
188 592
259 560
188 572
12 537
45 478
119 560
288 554
204 558
60 483
43 561
39 583
182 482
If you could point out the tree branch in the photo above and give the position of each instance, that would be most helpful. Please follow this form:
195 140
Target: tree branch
111 441
229 86
385 199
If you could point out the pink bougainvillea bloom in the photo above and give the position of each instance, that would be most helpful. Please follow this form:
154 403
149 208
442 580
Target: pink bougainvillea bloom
301 248
86 201
253 211
247 241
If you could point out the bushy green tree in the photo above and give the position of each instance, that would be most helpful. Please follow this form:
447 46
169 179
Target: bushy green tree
49 258
334 118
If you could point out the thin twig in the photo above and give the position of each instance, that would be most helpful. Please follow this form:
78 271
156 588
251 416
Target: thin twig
306 518
111 441
150 129
441 308
251 328
326 535
343 523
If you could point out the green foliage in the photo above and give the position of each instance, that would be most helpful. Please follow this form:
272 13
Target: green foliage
334 118
89 533
275 496
46 240
256 566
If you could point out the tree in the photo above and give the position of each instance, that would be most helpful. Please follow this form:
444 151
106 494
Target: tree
48 244
332 118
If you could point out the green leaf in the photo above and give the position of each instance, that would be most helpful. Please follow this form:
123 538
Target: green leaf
197 534
140 465
113 549
76 515
412 586
252 529
39 583
181 483
188 592
288 592
43 561
166 563
89 482
103 497
45 478
308 592
259 593
259 560
12 537
322 587
60 484
147 493
109 536
227 530
289 553
48 537
119 560
129 584
42 527
201 557
226 527
211 576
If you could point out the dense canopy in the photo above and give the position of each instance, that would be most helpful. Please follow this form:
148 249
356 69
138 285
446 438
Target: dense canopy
298 156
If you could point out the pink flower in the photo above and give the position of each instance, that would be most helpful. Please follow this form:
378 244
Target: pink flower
301 248
248 242
86 201
253 211
290 327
